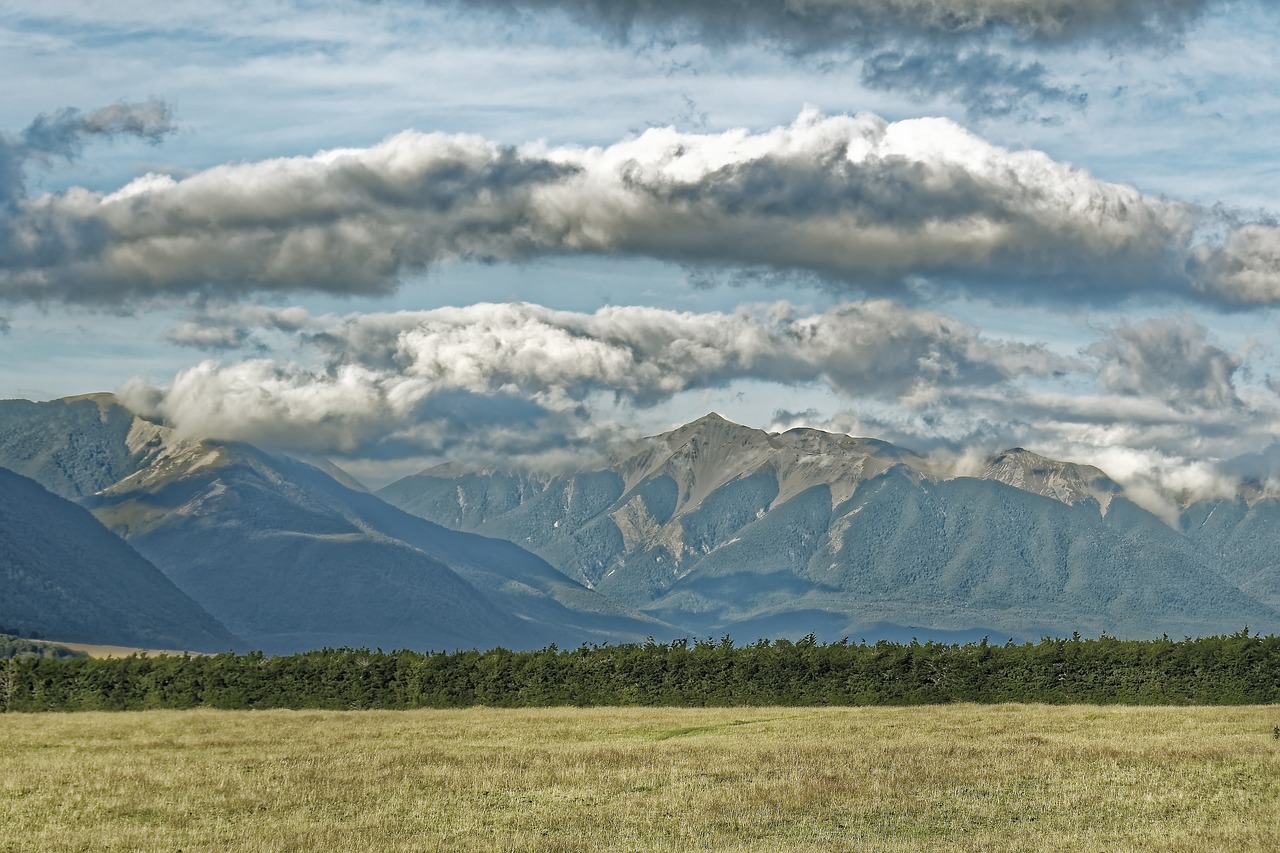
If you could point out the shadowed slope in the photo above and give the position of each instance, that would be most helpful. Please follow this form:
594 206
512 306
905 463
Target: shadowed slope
66 577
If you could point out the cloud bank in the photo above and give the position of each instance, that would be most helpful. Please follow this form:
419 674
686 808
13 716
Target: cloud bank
1154 403
382 376
868 205
808 25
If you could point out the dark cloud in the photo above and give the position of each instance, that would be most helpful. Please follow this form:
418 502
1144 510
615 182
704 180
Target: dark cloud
922 48
810 25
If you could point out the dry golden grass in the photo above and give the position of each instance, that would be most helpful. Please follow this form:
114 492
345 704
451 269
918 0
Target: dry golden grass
100 651
937 778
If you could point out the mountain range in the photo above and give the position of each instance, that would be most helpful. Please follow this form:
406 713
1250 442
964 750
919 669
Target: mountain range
736 530
709 529
287 557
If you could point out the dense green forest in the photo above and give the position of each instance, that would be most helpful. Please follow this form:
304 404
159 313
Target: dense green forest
12 646
1239 669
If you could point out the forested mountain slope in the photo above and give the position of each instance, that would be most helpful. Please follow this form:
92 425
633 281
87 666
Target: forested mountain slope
66 577
729 529
288 557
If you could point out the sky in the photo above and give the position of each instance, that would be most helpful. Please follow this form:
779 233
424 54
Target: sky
526 231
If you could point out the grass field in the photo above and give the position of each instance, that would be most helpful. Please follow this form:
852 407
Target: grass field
967 777
99 651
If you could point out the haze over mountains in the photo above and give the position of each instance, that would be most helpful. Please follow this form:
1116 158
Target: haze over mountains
711 528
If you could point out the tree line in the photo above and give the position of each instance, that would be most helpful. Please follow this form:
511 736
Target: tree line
1221 670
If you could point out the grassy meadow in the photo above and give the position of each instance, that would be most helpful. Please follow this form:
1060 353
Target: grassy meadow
957 777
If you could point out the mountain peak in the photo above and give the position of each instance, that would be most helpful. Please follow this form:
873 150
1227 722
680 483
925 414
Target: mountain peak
102 398
712 429
1067 482
709 421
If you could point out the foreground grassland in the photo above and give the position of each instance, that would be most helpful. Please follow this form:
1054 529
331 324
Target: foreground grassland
959 777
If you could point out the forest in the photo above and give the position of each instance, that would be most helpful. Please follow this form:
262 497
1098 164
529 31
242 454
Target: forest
1221 670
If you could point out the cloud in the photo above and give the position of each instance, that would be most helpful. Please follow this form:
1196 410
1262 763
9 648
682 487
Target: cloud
64 133
1162 465
809 25
389 377
226 327
649 354
922 48
987 84
1245 270
867 205
1172 360
1157 404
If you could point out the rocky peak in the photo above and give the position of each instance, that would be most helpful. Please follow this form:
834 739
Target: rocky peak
1066 482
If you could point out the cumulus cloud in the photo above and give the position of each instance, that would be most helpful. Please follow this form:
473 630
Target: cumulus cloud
383 376
860 202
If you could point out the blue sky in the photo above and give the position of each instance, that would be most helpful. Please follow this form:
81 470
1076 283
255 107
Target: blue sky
1104 289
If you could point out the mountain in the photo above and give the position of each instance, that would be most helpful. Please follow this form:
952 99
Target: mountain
73 447
65 576
1243 534
723 528
288 557
1065 482
711 528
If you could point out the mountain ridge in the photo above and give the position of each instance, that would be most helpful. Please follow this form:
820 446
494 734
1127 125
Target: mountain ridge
707 529
64 575
291 557
715 524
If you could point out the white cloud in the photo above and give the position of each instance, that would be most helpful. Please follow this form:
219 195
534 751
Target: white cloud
386 375
865 203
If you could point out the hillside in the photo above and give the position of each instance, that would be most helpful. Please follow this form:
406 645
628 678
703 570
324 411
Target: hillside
711 528
290 558
66 577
